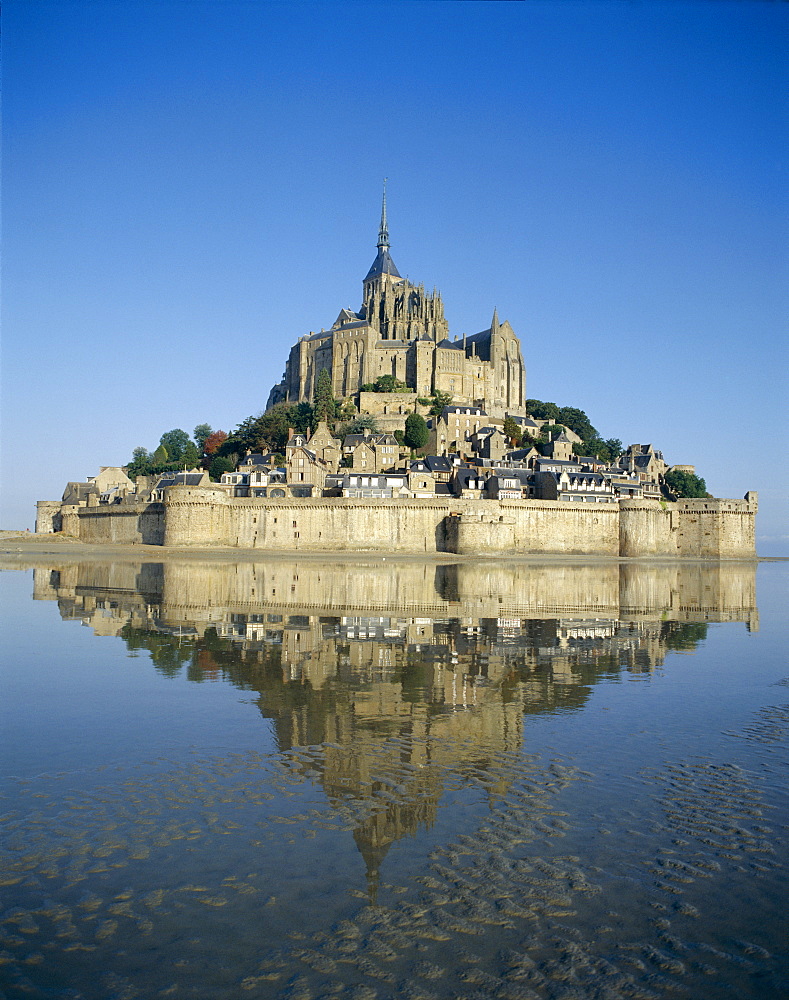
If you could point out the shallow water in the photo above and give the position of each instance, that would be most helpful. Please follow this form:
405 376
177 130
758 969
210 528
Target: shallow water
301 780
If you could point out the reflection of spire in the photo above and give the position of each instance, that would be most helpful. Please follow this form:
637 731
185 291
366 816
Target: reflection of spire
383 232
373 852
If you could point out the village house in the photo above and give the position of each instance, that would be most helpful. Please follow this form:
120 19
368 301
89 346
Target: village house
302 465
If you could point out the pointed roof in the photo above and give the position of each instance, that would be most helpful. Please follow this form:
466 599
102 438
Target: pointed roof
383 263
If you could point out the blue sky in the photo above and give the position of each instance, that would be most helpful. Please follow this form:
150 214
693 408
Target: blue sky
189 187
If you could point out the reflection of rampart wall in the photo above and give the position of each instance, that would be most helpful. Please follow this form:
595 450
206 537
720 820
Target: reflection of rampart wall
208 516
689 592
206 593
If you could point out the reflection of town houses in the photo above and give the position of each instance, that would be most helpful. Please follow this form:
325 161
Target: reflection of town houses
252 594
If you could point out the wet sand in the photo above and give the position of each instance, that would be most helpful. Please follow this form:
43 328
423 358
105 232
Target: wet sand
28 548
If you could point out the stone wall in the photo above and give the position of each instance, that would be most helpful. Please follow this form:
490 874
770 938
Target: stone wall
716 528
122 524
208 516
48 517
691 529
647 528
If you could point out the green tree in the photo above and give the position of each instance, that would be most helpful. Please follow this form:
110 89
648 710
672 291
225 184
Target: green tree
268 431
325 406
301 417
140 464
160 455
577 421
201 433
218 465
527 441
541 410
175 443
416 432
512 430
439 401
685 484
365 421
191 456
386 383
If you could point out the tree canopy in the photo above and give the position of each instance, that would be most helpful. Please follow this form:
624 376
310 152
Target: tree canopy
685 484
439 401
175 443
201 433
364 422
416 432
213 441
220 464
386 383
324 407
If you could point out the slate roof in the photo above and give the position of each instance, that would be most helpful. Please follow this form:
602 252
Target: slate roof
465 473
438 463
253 460
180 479
472 411
482 344
76 492
383 264
555 461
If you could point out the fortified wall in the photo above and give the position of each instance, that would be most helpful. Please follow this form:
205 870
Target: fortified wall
690 529
207 516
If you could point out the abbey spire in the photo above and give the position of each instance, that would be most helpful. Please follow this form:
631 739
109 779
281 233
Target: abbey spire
383 231
383 263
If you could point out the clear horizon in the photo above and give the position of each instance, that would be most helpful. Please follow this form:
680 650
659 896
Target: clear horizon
188 189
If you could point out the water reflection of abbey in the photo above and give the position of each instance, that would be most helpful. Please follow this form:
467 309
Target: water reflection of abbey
401 671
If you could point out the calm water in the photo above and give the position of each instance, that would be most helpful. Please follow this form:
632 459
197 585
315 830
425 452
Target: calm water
303 780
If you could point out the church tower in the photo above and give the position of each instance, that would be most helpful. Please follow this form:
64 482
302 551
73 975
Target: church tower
400 331
394 307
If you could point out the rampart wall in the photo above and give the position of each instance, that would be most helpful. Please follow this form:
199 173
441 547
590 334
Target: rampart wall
690 529
123 524
208 516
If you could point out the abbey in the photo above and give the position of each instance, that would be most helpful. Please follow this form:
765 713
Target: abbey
400 330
